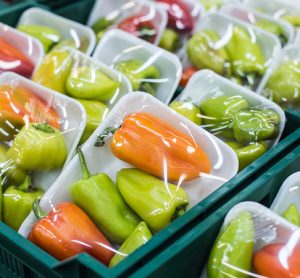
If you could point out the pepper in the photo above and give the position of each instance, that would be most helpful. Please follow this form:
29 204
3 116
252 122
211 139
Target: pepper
157 202
255 125
278 261
156 147
203 52
233 248
139 75
96 112
10 173
112 216
54 70
90 83
292 19
187 109
247 154
12 59
38 147
170 40
102 24
292 215
245 54
67 231
212 5
78 43
140 26
140 236
17 203
186 75
46 35
179 17
1 199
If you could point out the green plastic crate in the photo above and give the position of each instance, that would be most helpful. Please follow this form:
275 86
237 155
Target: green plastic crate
187 256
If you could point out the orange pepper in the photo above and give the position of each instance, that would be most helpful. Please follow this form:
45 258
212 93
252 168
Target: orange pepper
67 231
277 261
186 75
157 148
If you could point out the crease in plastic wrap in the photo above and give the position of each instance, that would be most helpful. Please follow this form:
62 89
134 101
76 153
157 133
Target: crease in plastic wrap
232 48
255 242
93 84
39 132
149 68
143 168
247 122
143 19
18 53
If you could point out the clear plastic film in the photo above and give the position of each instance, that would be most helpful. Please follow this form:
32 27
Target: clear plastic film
142 168
94 85
149 68
255 242
55 32
139 18
39 131
282 84
232 48
18 53
247 122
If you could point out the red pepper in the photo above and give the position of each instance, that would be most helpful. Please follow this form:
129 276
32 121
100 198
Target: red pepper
179 17
139 26
11 59
67 231
186 75
277 261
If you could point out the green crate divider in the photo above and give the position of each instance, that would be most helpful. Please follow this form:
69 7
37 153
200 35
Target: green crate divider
188 255
54 3
77 10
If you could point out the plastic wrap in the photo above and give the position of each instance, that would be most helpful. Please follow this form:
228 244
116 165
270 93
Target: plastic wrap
247 122
149 68
280 28
54 31
282 84
177 165
18 52
255 242
232 48
143 19
93 84
39 131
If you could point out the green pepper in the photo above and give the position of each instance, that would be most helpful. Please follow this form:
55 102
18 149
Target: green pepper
233 249
170 40
211 5
81 44
90 83
139 74
17 203
292 19
9 171
218 111
98 196
96 112
1 199
292 215
255 125
46 35
247 154
102 24
137 238
38 147
54 70
245 54
155 201
203 53
187 109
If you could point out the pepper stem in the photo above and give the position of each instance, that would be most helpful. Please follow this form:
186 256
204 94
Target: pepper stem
146 87
45 127
37 210
103 136
84 169
180 210
24 186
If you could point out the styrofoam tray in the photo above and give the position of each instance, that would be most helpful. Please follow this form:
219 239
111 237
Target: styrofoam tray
117 46
29 46
206 83
126 8
67 28
102 160
223 25
71 112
